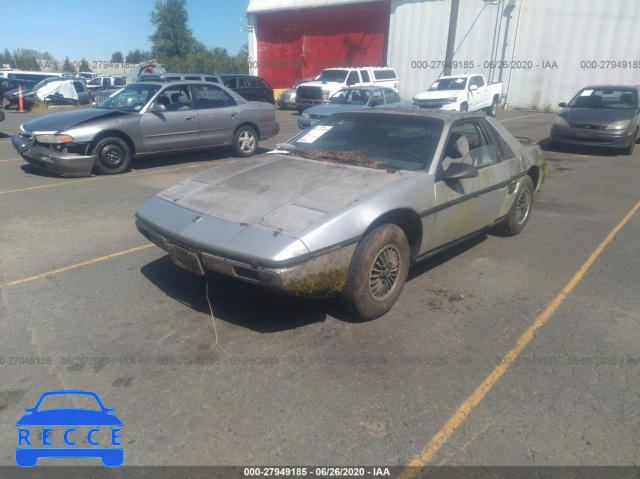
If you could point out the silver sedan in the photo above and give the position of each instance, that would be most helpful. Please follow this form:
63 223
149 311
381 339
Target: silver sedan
345 207
142 119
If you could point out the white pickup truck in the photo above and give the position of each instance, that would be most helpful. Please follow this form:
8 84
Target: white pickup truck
461 93
331 80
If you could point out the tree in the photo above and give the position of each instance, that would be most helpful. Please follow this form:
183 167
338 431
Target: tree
173 39
116 57
84 66
24 59
67 67
138 56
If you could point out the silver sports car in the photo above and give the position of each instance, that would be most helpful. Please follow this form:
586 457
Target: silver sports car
142 119
346 206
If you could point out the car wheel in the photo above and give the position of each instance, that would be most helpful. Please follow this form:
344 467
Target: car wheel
464 107
520 211
113 155
264 99
493 109
377 273
629 149
245 141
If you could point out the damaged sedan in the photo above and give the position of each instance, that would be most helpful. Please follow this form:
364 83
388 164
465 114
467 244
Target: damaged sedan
345 207
144 119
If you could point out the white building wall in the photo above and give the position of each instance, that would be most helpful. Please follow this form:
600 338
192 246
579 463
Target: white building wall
555 38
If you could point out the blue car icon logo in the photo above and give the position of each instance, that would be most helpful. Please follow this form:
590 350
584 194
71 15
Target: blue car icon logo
69 432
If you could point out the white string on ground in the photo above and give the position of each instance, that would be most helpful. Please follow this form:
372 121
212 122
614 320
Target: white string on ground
213 319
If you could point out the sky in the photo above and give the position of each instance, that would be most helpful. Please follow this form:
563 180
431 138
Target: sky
94 30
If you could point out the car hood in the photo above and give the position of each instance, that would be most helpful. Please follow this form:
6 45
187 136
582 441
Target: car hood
278 191
326 110
14 93
595 116
67 119
437 95
69 417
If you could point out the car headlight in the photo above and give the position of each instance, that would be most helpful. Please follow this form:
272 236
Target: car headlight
305 115
54 138
325 94
618 125
559 121
453 99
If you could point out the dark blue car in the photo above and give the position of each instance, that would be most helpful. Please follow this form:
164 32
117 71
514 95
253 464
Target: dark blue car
102 418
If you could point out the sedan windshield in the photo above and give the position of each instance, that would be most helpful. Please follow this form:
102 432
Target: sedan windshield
382 141
449 84
613 98
131 98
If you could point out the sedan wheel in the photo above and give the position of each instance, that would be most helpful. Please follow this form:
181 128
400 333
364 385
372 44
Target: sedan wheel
245 141
377 273
629 149
113 155
519 213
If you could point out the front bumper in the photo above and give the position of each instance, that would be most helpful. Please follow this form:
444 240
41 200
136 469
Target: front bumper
585 137
66 164
286 103
321 275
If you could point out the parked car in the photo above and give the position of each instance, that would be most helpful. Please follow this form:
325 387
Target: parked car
56 91
373 192
143 119
8 84
287 98
104 83
250 87
462 93
333 79
604 116
353 99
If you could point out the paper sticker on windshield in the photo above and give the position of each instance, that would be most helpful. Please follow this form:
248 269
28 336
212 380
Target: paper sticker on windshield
314 134
586 92
458 80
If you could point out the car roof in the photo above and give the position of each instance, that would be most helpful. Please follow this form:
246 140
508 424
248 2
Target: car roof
446 116
612 87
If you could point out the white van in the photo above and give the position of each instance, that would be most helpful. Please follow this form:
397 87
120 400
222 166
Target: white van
31 77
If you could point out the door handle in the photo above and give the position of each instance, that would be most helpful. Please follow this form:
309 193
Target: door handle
189 118
234 115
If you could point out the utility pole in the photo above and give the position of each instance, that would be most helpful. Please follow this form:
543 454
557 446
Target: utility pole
451 38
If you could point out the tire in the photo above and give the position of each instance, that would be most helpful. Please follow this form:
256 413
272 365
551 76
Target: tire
114 156
245 141
264 99
629 149
385 249
520 211
464 107
300 110
493 109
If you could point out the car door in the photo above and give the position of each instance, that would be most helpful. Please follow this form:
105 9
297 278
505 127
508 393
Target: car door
392 99
469 205
175 127
217 114
479 97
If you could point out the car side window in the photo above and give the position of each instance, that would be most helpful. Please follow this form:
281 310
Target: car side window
353 78
479 81
244 82
79 87
257 82
365 76
231 83
377 97
503 150
467 143
119 82
390 96
212 79
211 96
175 98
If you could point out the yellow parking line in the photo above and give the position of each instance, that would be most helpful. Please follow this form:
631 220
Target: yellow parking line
115 177
481 391
12 159
77 265
518 117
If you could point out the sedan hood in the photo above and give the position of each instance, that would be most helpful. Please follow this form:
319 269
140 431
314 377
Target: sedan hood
67 119
595 116
278 191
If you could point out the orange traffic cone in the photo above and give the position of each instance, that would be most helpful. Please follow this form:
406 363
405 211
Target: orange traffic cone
21 110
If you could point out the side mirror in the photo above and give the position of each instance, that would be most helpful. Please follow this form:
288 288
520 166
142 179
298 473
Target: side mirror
157 107
459 171
473 87
562 105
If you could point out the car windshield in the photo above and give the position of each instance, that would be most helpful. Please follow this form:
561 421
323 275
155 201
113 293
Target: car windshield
449 84
131 98
613 98
63 401
48 80
337 76
381 141
351 96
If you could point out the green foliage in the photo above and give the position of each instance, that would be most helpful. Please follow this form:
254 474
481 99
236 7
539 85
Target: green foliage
24 59
84 66
67 67
138 56
117 57
173 39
